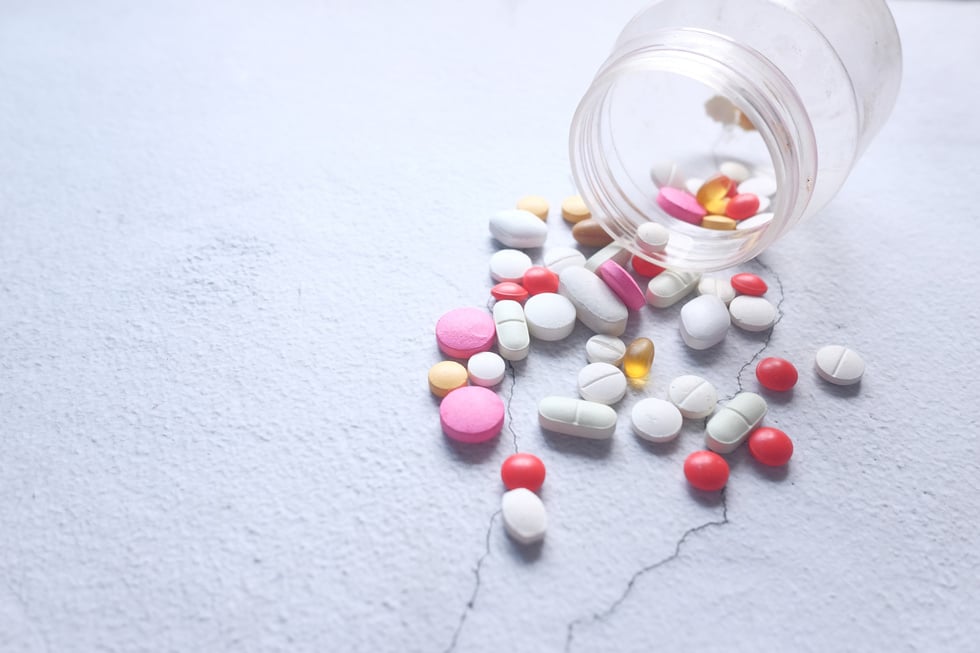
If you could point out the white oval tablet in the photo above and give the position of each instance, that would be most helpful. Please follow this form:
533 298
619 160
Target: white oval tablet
734 171
764 203
578 417
513 338
694 397
611 252
720 288
518 228
670 286
549 316
731 425
596 305
509 265
704 322
839 365
557 259
601 348
667 173
760 185
755 222
652 237
602 382
752 313
525 518
656 420
486 368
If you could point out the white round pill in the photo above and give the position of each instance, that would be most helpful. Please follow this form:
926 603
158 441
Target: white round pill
518 228
652 237
486 369
557 259
839 365
525 518
602 383
755 222
693 396
734 171
752 313
667 173
656 420
509 265
760 185
704 322
720 288
549 316
601 348
693 185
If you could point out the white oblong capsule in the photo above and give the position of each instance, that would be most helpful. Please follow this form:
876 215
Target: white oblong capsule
731 425
720 288
611 252
596 305
525 518
558 258
667 173
578 417
704 322
752 313
513 337
602 382
671 286
839 365
760 185
693 396
518 228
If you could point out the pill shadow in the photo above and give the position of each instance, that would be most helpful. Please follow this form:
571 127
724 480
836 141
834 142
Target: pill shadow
775 396
472 453
707 499
660 448
585 447
705 357
842 391
771 474
525 553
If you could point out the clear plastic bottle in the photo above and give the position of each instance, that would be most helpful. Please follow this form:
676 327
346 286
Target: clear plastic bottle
808 82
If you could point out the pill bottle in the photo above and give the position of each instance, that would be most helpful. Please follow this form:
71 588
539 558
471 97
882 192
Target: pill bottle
792 89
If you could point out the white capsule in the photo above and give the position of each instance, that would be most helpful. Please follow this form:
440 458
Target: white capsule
578 417
670 286
720 288
667 173
549 316
509 265
704 322
518 228
731 425
611 252
656 420
755 222
764 203
752 313
734 171
652 237
601 348
839 365
693 396
486 369
525 518
759 185
602 383
513 338
693 185
596 306
558 258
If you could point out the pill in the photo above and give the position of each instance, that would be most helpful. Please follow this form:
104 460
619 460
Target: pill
522 470
747 283
667 173
605 349
534 204
621 283
590 233
720 288
693 396
729 427
776 374
755 222
718 223
715 207
559 258
513 337
573 209
671 286
645 268
509 290
578 417
742 206
693 185
446 376
714 189
538 279
471 414
550 316
638 358
596 306
602 383
462 332
517 228
525 519
656 420
734 170
652 237
706 471
704 322
681 205
509 265
770 446
752 313
839 365
761 185
720 109
764 203
611 252
486 369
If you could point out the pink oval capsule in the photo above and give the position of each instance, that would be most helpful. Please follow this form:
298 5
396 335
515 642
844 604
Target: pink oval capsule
681 205
742 206
621 283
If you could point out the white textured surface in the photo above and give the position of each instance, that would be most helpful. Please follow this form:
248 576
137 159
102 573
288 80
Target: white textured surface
226 232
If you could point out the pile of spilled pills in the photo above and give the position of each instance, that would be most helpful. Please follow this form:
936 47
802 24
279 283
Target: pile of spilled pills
545 301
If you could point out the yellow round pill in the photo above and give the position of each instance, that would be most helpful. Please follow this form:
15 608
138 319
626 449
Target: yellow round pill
445 377
718 222
573 209
535 204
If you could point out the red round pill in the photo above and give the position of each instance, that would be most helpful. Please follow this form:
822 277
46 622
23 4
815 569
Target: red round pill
706 471
776 374
509 290
749 284
522 470
539 280
743 205
770 446
645 268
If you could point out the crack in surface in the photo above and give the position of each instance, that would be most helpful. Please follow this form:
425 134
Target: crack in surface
476 588
765 343
510 399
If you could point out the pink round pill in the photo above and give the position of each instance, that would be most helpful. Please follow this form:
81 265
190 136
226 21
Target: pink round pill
681 205
471 414
463 332
621 283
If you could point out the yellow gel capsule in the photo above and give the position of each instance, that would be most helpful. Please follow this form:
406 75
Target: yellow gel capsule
719 222
716 207
638 358
445 377
715 188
